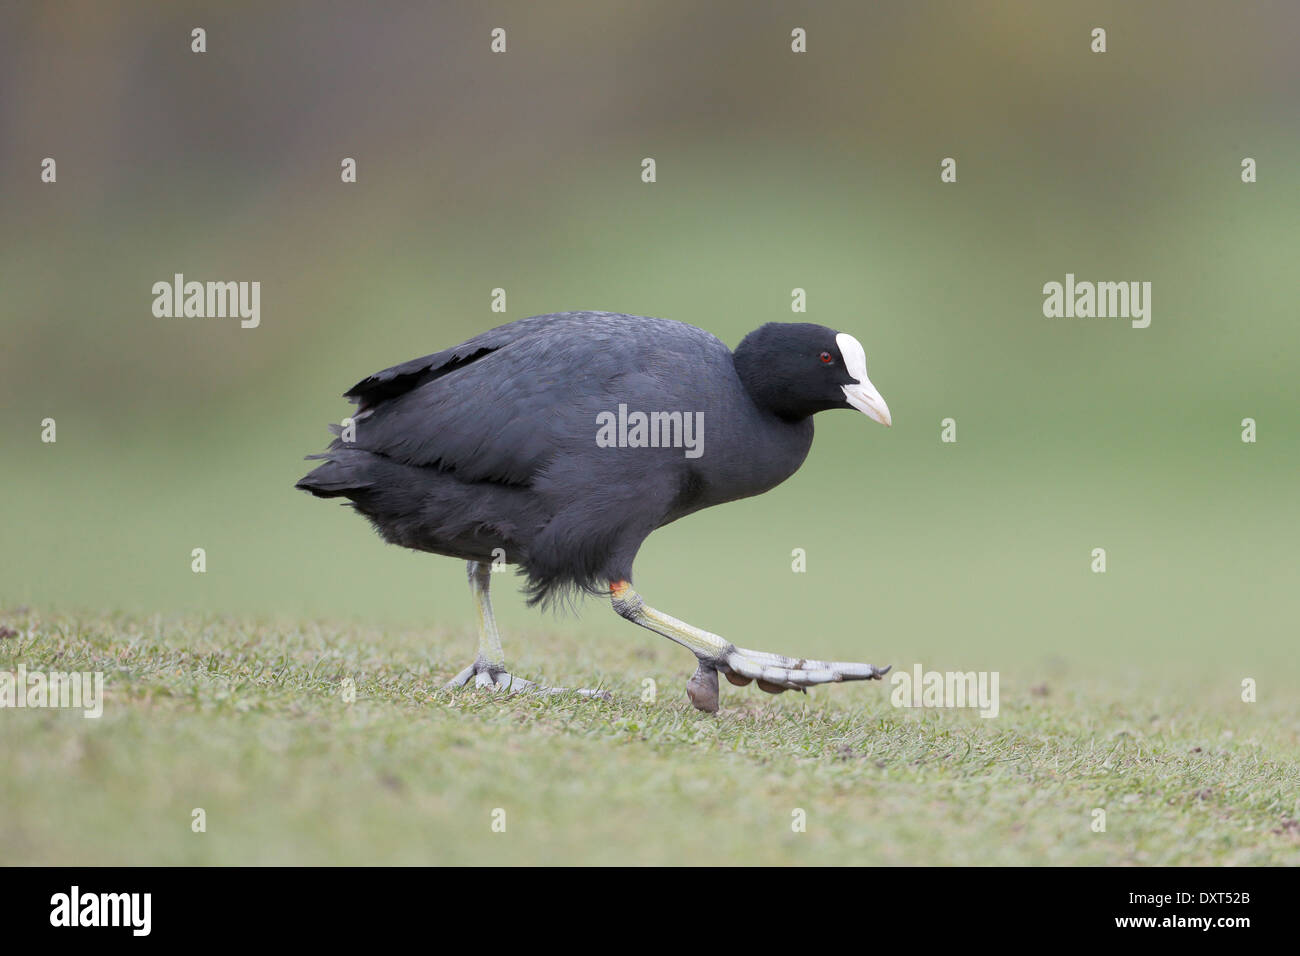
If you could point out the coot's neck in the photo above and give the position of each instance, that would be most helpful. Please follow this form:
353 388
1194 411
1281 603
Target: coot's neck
768 393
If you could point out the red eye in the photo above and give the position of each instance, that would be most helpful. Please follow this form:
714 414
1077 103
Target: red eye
826 358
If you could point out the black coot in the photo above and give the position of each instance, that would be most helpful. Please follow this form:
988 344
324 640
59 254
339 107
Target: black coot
559 442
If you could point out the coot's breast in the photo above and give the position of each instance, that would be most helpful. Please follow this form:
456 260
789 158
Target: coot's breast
743 451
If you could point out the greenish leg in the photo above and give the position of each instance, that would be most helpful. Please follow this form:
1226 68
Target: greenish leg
489 638
774 672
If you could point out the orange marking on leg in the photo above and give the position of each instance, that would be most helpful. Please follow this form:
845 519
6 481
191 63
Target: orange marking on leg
618 588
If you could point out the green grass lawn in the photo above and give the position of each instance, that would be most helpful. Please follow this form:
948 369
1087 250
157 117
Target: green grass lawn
247 719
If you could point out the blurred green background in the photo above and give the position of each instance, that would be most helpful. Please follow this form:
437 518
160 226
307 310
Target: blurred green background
775 171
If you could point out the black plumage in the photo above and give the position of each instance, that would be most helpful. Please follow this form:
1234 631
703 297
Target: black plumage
491 447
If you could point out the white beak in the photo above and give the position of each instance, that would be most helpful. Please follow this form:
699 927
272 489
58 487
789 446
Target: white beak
864 397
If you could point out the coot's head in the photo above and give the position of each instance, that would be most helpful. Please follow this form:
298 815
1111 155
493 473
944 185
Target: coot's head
795 369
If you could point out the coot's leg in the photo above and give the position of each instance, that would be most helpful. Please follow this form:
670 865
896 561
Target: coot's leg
489 667
774 672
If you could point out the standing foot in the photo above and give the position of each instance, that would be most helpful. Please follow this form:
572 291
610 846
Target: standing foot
495 677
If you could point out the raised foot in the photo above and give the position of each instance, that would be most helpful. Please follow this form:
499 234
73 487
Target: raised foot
774 673
491 677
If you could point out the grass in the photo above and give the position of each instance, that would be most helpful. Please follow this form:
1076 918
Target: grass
247 720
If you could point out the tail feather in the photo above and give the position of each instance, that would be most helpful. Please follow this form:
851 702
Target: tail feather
344 471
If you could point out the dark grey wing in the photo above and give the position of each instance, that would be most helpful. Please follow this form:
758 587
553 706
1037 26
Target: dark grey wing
502 405
392 382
